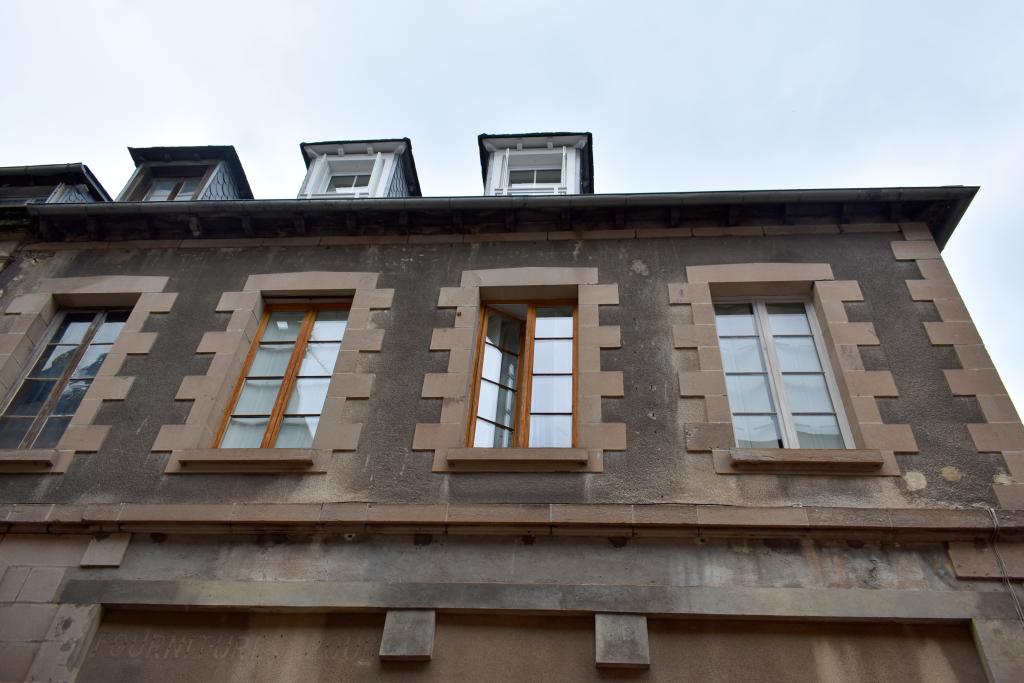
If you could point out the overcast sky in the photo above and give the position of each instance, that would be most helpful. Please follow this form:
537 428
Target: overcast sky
679 96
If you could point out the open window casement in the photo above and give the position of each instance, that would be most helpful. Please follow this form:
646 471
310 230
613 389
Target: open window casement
535 171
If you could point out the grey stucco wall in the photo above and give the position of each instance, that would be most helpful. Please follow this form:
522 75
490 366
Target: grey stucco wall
655 468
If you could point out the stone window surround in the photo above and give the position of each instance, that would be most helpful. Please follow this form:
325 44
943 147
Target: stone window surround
35 312
448 437
876 443
1002 431
192 444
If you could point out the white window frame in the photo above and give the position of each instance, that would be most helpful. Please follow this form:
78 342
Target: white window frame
501 166
324 167
776 387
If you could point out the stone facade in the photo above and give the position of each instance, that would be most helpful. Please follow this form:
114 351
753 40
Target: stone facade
661 549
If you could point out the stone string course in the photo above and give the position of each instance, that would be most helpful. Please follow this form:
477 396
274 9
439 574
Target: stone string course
1002 431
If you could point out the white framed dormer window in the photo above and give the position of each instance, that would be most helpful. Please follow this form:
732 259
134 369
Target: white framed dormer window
535 171
782 393
353 176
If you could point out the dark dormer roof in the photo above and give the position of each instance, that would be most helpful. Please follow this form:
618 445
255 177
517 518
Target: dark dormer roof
225 153
540 140
52 175
402 145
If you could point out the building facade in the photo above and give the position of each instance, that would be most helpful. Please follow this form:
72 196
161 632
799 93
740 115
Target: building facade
538 434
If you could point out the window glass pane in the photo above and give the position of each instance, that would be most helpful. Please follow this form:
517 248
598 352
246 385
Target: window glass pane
742 354
504 332
788 319
319 359
296 432
271 360
53 361
308 396
735 320
257 397
283 326
188 189
244 432
489 436
549 175
554 321
91 361
108 331
13 430
71 396
361 181
496 404
551 394
552 355
520 177
757 431
161 189
749 394
818 431
329 326
500 367
797 354
49 435
30 397
807 393
552 431
73 328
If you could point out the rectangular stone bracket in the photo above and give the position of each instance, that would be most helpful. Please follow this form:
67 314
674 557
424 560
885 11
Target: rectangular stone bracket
106 551
408 635
248 461
620 641
28 461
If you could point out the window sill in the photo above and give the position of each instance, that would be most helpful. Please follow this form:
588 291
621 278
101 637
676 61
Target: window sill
519 459
805 461
248 461
33 461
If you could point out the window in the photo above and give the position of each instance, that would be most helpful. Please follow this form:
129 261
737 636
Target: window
60 374
172 189
781 393
281 392
341 183
526 377
535 176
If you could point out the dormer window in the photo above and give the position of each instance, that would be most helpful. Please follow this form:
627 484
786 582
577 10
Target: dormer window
359 169
185 174
536 163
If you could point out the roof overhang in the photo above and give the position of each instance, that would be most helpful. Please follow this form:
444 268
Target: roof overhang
401 147
225 153
490 142
940 207
72 174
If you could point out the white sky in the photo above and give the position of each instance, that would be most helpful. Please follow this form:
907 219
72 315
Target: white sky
679 96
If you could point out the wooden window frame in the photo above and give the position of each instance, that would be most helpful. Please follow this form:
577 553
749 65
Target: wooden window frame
790 438
99 316
524 378
311 308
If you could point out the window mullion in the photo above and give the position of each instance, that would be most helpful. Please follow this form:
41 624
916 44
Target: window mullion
776 385
575 362
288 381
524 395
62 381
